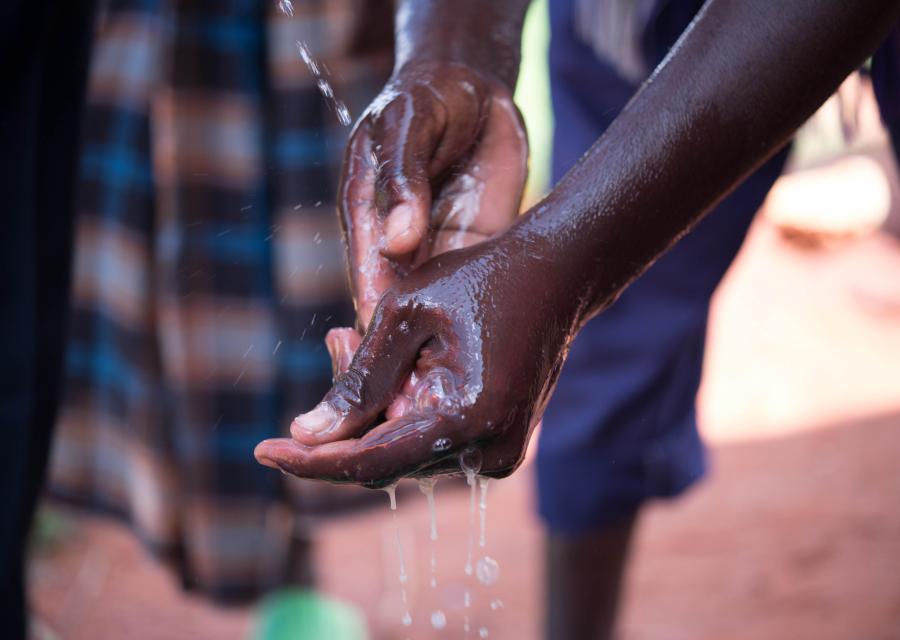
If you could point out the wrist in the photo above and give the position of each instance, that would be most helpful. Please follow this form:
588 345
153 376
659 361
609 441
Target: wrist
486 37
557 285
437 73
575 262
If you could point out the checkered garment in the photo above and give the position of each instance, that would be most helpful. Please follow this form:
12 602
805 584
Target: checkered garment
208 268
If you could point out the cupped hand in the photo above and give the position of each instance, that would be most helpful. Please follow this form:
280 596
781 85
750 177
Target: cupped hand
438 161
483 332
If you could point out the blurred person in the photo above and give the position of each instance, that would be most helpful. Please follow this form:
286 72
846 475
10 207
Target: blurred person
44 48
496 320
207 269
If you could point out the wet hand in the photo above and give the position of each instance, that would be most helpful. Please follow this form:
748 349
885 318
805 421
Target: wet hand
437 162
463 352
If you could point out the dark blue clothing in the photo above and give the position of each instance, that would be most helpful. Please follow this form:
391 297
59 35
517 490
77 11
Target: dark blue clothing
621 427
43 63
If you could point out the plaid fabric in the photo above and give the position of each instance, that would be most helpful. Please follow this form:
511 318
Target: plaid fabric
208 268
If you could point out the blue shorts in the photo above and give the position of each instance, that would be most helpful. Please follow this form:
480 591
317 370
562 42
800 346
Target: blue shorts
621 426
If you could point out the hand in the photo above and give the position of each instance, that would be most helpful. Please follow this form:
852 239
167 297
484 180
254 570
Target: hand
437 162
484 330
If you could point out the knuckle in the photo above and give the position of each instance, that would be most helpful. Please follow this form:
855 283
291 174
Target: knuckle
348 392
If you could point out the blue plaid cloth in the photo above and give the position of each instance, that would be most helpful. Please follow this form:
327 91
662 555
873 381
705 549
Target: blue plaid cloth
208 269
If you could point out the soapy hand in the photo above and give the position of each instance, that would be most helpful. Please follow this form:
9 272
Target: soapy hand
437 162
463 351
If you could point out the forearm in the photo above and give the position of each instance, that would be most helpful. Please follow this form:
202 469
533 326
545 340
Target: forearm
730 94
485 35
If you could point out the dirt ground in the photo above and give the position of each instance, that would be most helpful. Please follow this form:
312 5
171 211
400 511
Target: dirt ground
795 533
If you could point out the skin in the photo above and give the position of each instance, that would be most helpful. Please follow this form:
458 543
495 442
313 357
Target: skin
499 315
439 159
584 577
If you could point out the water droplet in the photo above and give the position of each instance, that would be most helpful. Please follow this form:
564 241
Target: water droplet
487 570
483 632
437 391
391 490
497 604
438 619
482 510
406 619
343 114
325 88
426 486
287 8
307 58
470 460
442 444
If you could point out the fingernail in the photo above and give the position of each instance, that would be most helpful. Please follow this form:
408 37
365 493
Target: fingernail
322 419
399 222
262 458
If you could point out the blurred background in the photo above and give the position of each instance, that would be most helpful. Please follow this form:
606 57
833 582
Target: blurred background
794 534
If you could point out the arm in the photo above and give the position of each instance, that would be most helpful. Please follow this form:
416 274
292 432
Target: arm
498 317
732 91
485 36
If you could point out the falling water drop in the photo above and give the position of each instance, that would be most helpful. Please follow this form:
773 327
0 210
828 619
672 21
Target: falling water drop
307 58
487 570
438 619
467 603
391 490
287 8
470 460
343 114
426 486
325 88
482 509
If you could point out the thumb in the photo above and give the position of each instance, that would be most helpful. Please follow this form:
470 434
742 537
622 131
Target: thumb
406 135
366 388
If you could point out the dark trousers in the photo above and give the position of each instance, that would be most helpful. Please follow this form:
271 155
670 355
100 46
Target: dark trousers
44 48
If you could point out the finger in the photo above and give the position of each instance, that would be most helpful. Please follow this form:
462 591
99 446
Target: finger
392 450
419 135
498 455
449 239
485 197
404 402
405 134
370 273
342 343
376 372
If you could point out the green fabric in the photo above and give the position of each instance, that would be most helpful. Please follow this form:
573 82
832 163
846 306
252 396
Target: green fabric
305 615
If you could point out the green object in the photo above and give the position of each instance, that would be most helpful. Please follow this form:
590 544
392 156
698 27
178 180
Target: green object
306 615
51 527
533 97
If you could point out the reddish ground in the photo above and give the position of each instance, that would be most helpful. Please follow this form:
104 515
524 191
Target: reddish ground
795 534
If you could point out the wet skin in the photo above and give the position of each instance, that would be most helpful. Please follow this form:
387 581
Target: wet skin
499 315
437 162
